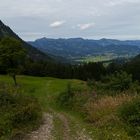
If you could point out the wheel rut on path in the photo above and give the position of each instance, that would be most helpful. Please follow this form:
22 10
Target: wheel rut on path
45 131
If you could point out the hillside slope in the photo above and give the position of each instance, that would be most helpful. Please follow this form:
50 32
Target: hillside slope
33 52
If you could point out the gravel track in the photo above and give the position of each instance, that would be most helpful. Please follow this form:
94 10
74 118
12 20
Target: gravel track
46 128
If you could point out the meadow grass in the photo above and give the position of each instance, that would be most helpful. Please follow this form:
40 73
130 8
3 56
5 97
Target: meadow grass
47 90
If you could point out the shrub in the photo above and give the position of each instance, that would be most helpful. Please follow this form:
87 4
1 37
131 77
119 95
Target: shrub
73 99
18 114
66 98
6 100
119 81
130 115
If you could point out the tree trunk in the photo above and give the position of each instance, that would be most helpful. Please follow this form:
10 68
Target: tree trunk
14 78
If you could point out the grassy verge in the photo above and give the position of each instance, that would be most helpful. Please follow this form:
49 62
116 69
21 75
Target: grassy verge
58 129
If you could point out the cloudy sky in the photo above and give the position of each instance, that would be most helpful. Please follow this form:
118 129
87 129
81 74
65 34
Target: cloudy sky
32 19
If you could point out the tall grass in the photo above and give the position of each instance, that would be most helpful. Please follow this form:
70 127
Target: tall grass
104 108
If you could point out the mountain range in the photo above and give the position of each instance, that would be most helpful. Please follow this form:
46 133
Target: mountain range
79 47
68 49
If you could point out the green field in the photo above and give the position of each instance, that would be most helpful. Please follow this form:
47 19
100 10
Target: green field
101 58
47 89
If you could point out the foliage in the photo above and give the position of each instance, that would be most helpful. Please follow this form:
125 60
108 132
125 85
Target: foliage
12 55
18 114
113 67
47 89
103 108
73 98
59 70
65 99
11 52
119 81
129 113
133 67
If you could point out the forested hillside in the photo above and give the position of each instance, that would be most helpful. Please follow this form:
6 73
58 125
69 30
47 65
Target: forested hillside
76 48
33 53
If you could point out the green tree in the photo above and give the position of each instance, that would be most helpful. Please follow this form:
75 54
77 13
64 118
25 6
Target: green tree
119 81
12 56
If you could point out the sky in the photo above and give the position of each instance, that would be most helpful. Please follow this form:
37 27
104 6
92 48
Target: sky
92 19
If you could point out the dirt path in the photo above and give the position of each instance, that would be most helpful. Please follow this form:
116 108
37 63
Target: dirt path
44 132
81 135
47 127
66 129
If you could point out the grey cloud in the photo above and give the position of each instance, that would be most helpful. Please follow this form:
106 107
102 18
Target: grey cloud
33 19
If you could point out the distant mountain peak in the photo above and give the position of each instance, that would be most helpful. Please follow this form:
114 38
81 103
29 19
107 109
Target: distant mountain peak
43 38
78 38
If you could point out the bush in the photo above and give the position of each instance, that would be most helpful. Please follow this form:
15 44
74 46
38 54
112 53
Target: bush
130 115
18 114
6 100
73 99
119 81
65 99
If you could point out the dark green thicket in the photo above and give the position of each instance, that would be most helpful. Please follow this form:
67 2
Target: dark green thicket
18 114
133 67
118 81
130 115
82 71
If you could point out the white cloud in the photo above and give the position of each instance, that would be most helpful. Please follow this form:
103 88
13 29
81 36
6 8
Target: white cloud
57 24
85 26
